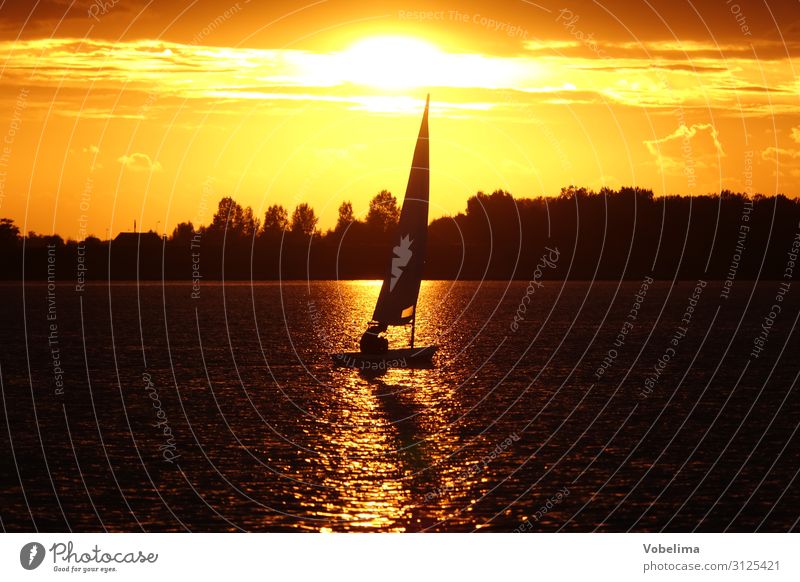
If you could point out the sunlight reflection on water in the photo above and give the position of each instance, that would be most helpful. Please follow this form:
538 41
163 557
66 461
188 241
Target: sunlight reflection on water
272 436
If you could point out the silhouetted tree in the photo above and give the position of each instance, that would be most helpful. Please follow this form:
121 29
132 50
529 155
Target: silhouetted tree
183 233
248 225
346 216
570 192
383 212
234 220
9 232
304 220
227 217
276 220
35 240
640 194
612 234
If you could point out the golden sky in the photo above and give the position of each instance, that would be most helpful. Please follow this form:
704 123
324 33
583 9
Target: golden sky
115 111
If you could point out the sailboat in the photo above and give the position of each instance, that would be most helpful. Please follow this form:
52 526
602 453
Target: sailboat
397 301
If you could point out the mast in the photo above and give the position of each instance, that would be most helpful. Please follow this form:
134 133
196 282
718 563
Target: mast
414 320
413 326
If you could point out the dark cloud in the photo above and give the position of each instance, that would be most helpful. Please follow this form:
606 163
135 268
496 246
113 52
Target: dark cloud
666 67
28 19
498 27
14 13
756 89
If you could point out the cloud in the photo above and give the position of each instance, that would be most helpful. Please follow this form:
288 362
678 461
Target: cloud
44 15
786 155
585 44
153 75
693 152
784 159
656 66
139 162
684 135
772 154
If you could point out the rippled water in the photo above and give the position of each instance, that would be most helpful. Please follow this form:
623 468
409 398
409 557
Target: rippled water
511 429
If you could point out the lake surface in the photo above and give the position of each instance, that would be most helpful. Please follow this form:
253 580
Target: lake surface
140 407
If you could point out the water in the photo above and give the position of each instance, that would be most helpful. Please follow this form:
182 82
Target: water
223 412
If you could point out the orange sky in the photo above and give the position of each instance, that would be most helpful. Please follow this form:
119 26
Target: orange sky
154 110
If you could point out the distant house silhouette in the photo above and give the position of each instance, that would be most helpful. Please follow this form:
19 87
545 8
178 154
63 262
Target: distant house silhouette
134 239
136 255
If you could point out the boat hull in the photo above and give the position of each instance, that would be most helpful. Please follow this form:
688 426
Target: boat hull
405 358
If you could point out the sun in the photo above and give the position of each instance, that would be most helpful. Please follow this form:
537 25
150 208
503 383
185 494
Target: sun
403 62
391 62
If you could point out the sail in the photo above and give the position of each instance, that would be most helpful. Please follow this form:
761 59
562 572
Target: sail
397 301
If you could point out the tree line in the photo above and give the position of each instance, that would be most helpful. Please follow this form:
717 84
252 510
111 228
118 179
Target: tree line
610 234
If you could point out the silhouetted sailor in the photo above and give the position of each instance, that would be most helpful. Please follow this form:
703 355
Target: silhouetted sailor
371 342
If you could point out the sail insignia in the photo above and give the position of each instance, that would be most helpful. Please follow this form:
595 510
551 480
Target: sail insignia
402 254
